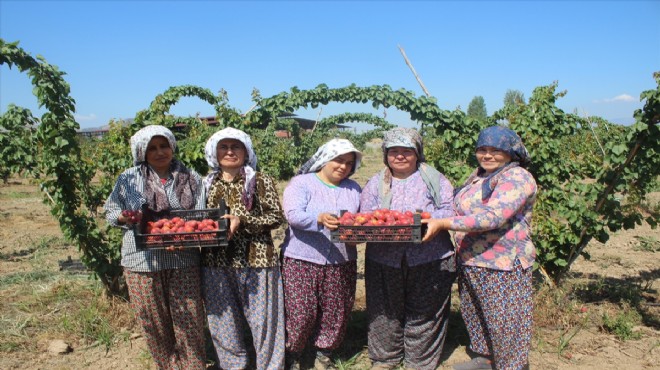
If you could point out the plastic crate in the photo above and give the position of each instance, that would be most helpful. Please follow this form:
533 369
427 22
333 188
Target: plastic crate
198 239
379 234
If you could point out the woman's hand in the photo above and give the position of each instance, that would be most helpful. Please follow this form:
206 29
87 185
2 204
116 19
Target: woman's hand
234 223
328 220
434 226
129 217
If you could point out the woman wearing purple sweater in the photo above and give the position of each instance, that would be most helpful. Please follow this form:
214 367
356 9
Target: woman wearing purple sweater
319 276
408 285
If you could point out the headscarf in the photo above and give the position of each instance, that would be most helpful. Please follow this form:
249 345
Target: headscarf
249 168
329 151
504 139
403 137
154 192
407 138
140 140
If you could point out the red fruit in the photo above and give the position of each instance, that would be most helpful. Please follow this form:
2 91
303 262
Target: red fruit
126 213
346 222
426 215
360 220
408 214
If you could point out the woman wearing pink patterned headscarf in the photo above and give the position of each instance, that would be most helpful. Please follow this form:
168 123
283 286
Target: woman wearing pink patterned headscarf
163 285
242 285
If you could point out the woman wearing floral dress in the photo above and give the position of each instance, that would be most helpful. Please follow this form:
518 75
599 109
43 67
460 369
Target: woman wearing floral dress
242 285
495 251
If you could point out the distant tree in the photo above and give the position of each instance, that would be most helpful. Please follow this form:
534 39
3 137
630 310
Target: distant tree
477 108
513 98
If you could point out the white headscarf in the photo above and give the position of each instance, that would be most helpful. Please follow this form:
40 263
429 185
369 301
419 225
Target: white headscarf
249 168
185 185
329 151
142 137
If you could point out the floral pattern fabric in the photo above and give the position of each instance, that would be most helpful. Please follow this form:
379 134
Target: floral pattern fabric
494 232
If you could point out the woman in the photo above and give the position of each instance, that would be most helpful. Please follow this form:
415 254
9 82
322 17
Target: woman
408 285
319 276
496 253
242 283
163 286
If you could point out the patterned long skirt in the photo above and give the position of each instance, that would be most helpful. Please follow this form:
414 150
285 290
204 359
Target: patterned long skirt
497 309
168 305
408 311
238 297
318 300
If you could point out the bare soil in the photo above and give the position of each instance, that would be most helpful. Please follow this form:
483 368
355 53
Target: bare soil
565 337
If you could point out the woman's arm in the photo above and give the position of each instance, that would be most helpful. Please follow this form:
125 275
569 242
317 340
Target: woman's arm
509 197
369 198
271 216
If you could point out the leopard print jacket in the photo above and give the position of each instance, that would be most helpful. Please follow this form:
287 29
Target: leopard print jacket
252 244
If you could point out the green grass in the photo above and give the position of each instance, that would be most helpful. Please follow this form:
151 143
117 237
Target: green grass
622 324
17 195
647 244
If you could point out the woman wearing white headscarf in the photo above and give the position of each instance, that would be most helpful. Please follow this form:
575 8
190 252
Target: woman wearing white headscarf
319 275
242 284
163 285
408 285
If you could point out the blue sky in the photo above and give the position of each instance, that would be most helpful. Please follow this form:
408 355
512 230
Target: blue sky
118 55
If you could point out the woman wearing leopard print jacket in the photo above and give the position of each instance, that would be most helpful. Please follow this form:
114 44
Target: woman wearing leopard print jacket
241 283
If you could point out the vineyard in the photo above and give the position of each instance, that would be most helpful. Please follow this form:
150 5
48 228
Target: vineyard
594 177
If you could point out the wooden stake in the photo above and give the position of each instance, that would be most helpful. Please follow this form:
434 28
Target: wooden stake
419 80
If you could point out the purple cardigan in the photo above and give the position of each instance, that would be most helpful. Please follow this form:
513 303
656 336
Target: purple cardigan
305 198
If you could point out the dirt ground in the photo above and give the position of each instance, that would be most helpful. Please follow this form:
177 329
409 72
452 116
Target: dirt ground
26 222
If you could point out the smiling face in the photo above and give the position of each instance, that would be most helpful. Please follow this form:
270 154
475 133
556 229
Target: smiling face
231 154
402 161
490 158
159 154
337 169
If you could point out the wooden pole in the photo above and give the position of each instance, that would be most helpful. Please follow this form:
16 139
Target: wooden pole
419 80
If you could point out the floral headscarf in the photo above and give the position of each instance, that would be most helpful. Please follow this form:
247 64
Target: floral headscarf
185 185
329 151
407 138
249 168
504 139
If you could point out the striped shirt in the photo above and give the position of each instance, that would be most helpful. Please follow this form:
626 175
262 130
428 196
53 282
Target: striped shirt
128 195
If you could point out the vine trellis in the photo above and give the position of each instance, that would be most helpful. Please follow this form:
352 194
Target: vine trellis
570 210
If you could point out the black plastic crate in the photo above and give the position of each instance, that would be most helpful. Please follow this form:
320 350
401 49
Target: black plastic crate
196 239
379 234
